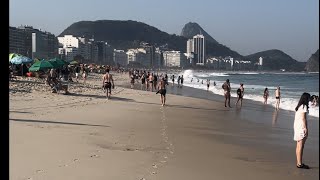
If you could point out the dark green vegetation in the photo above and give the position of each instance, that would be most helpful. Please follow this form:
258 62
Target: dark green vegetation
313 63
275 60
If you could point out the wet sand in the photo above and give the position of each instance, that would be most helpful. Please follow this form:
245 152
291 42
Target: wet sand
85 136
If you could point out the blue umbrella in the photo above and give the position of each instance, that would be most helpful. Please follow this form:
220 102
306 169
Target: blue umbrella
21 60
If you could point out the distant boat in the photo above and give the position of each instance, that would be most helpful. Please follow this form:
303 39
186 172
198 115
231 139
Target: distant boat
283 70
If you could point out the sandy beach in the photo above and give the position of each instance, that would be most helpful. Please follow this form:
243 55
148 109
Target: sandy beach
84 136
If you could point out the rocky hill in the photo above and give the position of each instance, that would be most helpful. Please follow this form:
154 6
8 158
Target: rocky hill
313 63
274 60
191 29
129 34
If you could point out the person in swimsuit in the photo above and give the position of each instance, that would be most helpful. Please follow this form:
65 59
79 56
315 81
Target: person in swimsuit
132 80
151 82
162 90
106 83
181 80
173 80
208 84
265 95
300 128
227 88
143 80
240 93
277 93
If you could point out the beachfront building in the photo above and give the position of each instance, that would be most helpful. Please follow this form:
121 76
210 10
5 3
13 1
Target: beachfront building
16 41
91 51
174 59
199 48
158 58
120 58
228 63
32 42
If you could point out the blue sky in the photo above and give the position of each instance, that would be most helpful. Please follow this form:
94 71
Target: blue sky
246 26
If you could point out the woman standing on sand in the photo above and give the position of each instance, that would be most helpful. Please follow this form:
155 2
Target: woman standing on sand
277 93
301 128
265 95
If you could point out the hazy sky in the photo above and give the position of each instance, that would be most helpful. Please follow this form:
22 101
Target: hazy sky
246 26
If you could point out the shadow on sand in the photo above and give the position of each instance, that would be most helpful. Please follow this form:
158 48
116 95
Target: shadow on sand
56 122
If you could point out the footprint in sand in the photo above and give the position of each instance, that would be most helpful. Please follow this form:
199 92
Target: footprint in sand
154 166
39 171
94 155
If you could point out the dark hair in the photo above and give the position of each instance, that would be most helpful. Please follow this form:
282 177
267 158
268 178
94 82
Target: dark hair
107 70
266 89
227 80
304 100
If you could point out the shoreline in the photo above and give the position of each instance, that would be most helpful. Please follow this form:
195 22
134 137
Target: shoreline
84 136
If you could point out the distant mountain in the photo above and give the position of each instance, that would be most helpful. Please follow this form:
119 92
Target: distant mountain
129 34
214 48
275 60
191 29
124 34
313 63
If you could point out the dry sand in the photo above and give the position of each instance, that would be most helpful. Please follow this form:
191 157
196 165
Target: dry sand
84 136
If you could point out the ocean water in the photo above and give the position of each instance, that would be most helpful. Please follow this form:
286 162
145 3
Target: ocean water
292 85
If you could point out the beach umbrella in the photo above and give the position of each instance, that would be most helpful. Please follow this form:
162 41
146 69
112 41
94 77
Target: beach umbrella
41 65
12 55
21 60
59 62
74 62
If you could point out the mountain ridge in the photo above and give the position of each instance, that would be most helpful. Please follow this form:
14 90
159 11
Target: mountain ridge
275 59
127 34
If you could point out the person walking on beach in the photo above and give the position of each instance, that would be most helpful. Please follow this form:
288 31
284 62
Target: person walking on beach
277 93
265 95
143 80
151 82
240 93
181 80
172 79
162 90
301 128
106 83
132 80
208 84
227 88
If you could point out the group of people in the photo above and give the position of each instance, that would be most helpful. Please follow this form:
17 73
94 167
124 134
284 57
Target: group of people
300 121
179 80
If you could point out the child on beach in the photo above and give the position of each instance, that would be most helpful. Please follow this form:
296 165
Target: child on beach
300 128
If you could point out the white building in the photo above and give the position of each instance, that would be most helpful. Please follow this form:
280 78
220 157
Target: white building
174 59
260 61
199 48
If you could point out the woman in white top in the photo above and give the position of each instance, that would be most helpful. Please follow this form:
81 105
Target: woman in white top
301 127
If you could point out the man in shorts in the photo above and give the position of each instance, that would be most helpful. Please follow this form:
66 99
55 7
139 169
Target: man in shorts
162 91
106 84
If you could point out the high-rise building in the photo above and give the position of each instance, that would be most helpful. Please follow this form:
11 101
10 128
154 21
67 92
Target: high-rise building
16 41
199 48
39 44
